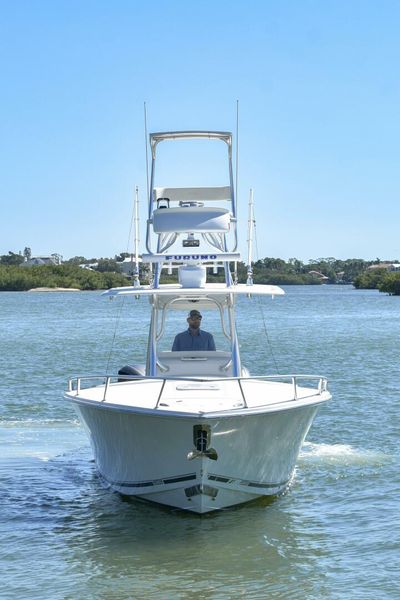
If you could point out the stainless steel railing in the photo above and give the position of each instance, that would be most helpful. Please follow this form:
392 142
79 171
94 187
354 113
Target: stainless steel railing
77 384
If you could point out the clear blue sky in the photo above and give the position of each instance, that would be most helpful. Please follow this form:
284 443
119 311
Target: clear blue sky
319 90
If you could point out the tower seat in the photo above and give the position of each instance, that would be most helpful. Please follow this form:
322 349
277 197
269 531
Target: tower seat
183 219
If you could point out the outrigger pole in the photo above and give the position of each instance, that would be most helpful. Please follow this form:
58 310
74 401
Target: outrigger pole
250 230
235 268
136 281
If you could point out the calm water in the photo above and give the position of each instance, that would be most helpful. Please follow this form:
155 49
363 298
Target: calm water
334 534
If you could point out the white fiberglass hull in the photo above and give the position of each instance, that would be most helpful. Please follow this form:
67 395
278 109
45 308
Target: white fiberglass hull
154 455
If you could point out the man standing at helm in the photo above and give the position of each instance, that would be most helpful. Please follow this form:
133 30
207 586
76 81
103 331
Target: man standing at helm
193 338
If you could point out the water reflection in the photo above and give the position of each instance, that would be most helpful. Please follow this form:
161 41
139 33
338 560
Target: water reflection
113 546
138 547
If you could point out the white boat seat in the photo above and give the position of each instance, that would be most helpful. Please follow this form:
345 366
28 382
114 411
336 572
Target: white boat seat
191 219
195 363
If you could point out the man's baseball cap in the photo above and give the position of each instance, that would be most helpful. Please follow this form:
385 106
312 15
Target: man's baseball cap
195 313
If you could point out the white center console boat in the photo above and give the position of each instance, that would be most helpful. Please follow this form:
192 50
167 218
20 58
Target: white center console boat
192 428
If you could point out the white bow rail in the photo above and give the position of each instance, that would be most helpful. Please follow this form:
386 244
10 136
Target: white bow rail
320 383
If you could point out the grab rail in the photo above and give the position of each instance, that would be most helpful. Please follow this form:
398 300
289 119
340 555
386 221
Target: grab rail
75 383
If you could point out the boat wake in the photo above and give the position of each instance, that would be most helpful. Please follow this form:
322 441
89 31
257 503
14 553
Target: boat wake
341 455
38 423
42 439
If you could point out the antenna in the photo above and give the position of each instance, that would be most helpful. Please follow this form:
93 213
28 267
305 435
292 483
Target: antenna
250 230
237 149
146 146
136 282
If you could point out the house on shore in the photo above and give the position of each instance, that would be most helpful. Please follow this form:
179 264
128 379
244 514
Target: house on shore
38 261
388 266
128 266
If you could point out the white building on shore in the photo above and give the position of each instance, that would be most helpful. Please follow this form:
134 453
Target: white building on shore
42 260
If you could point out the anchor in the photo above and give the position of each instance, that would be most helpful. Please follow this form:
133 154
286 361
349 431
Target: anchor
201 440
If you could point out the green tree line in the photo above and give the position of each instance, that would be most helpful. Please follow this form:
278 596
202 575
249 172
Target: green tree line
379 279
107 273
16 278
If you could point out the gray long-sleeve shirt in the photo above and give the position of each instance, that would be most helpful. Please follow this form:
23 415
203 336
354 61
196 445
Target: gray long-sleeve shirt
187 341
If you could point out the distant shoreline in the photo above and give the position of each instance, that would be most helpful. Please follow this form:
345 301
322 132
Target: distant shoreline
56 289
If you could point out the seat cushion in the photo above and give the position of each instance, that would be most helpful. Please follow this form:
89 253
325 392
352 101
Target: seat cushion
191 219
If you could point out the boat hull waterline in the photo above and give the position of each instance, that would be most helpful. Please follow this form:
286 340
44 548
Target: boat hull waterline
199 463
